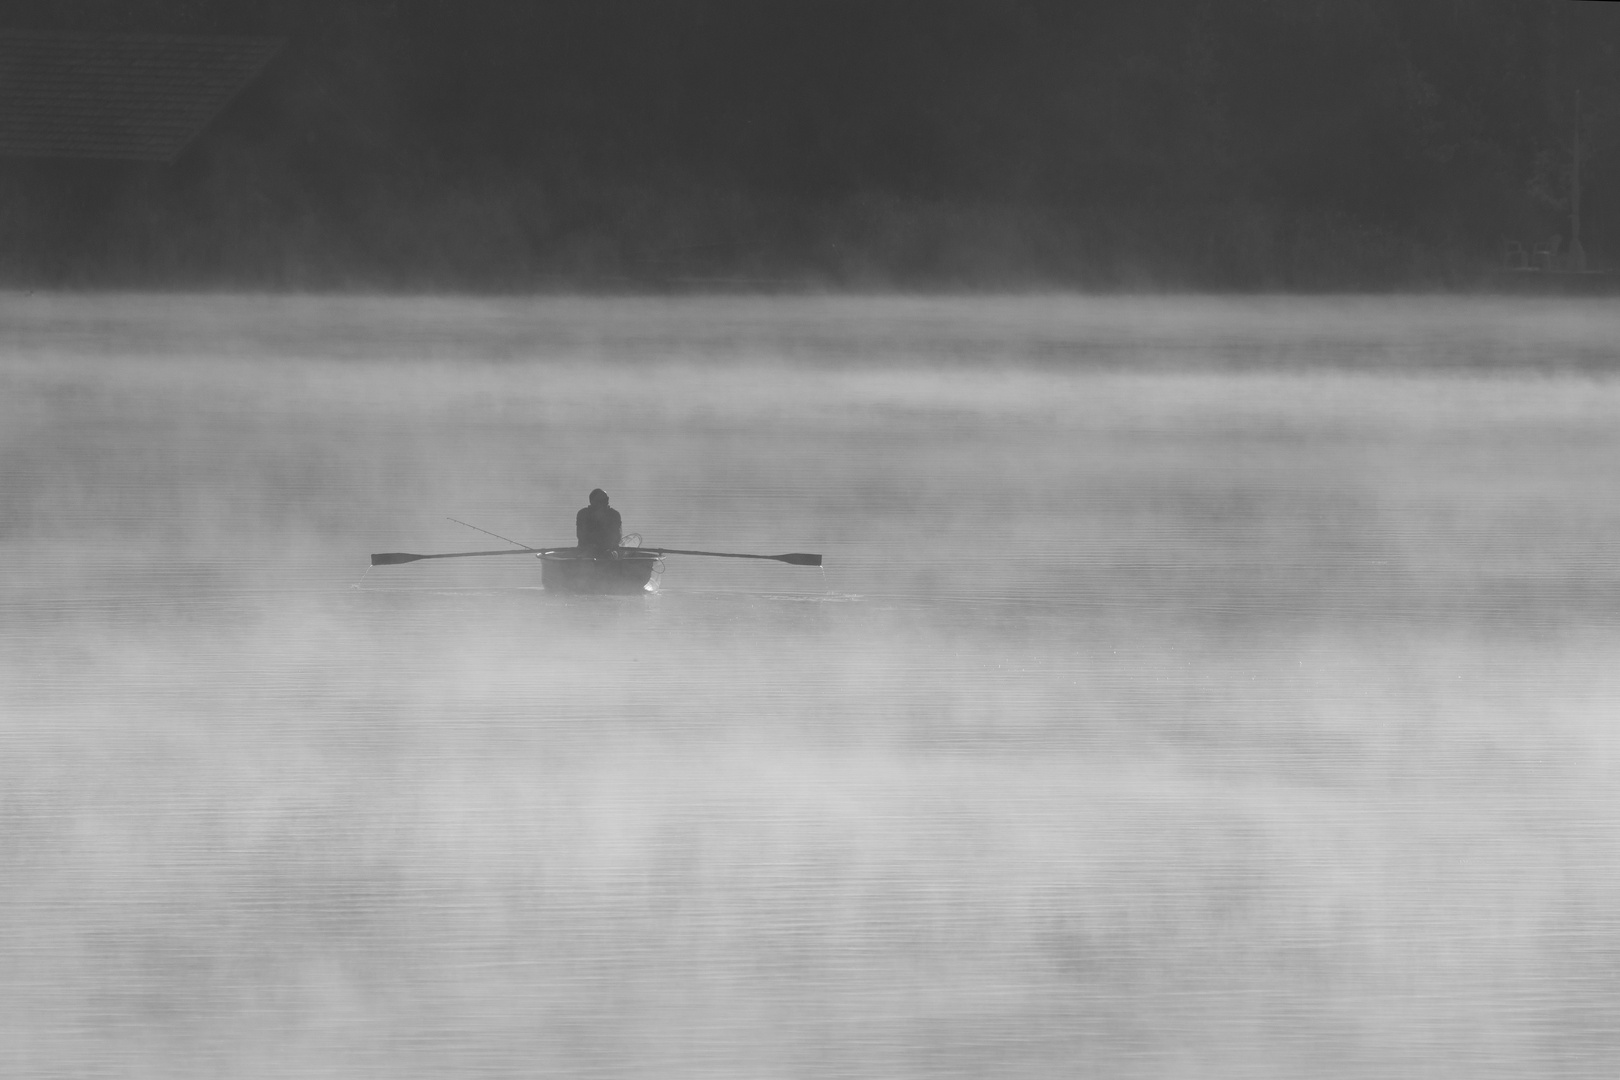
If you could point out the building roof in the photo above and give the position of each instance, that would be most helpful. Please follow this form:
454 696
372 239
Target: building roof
129 97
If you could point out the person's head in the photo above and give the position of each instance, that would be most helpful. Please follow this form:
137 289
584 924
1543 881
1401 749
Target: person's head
598 497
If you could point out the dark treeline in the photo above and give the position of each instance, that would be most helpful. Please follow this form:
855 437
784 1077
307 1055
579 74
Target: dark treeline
508 144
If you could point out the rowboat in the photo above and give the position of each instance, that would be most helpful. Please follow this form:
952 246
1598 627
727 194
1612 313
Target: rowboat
625 571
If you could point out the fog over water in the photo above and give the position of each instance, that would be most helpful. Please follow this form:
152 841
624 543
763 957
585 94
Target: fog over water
1194 687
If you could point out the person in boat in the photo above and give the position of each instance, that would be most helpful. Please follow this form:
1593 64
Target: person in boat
598 527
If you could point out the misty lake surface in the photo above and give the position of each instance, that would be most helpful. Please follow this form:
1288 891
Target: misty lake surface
1194 687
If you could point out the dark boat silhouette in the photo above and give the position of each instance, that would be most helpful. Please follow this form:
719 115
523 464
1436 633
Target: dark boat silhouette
626 571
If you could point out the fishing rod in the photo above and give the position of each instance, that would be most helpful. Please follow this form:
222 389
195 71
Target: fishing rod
486 532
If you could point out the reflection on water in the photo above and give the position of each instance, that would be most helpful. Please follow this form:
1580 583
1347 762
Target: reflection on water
1158 711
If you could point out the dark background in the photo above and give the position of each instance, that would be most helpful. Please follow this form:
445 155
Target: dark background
514 144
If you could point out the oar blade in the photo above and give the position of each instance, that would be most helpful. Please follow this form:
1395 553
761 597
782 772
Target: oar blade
394 558
800 559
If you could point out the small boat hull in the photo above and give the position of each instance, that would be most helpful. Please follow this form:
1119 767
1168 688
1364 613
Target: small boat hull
625 573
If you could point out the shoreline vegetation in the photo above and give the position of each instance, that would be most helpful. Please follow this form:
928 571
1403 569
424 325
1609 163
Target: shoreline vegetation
1345 145
860 246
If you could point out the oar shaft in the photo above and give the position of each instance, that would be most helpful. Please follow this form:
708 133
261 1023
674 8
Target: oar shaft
391 558
796 558
394 558
711 554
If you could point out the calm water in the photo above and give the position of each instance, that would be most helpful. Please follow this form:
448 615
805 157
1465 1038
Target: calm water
1193 688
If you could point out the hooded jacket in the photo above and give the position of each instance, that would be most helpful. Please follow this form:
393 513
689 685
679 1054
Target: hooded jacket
598 526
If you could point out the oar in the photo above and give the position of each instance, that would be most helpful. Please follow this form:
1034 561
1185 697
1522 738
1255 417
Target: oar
795 559
393 558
